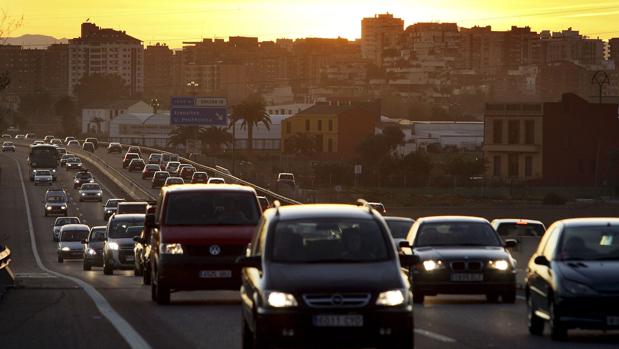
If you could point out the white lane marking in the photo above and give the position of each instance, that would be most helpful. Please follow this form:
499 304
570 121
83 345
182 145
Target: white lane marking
435 336
34 276
129 334
522 298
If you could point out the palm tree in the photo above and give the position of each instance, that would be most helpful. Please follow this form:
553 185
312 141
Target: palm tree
180 135
302 144
215 138
251 113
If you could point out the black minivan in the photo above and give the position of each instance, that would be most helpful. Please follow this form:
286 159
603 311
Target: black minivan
327 275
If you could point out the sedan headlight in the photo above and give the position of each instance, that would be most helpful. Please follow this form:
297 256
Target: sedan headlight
112 246
63 207
76 181
91 180
66 248
391 298
91 252
280 299
500 264
83 194
99 194
577 288
53 171
431 265
171 248
49 208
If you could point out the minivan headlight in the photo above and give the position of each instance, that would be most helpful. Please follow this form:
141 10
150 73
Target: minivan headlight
431 265
112 246
171 248
391 298
280 299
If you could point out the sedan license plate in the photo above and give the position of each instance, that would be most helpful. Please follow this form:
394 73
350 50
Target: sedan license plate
215 274
612 321
130 258
338 321
467 277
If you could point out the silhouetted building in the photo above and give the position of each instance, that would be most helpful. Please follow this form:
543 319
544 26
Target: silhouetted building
613 50
567 45
378 33
158 66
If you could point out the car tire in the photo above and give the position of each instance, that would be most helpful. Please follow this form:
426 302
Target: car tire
146 276
404 342
60 259
418 297
509 297
492 297
107 268
247 336
260 341
45 213
159 294
558 331
87 266
535 323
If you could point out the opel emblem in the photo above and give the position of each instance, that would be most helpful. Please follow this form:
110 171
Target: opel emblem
215 250
337 300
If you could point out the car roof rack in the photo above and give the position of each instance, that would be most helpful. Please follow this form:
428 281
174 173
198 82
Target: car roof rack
276 205
364 203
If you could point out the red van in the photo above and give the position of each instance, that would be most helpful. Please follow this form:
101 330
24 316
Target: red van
198 231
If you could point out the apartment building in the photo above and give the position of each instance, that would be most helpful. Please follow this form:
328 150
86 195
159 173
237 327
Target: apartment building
378 33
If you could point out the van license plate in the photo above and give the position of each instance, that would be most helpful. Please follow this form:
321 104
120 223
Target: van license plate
465 277
338 320
129 258
612 321
215 274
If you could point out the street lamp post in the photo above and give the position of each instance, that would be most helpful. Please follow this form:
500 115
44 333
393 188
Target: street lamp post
193 88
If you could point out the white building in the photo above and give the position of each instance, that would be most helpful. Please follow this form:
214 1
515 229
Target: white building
147 129
106 51
96 119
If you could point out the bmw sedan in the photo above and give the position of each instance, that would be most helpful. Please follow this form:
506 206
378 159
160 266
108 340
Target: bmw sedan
90 192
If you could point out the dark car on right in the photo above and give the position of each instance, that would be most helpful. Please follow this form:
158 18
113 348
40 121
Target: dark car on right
128 157
325 275
114 148
573 278
93 247
136 165
461 255
110 207
159 179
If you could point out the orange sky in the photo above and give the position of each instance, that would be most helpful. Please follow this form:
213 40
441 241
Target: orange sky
174 21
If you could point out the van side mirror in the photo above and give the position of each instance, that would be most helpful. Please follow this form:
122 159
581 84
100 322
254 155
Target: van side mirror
84 241
149 221
542 260
138 239
408 260
250 262
510 243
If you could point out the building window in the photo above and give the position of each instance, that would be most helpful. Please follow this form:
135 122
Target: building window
528 166
330 145
497 131
330 125
288 128
496 166
512 164
319 125
513 131
307 125
529 132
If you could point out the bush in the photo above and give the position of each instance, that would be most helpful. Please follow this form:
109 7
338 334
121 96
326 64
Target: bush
554 199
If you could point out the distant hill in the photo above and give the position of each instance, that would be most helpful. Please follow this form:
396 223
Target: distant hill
35 41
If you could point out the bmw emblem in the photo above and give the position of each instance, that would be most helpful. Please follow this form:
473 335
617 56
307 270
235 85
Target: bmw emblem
337 300
215 250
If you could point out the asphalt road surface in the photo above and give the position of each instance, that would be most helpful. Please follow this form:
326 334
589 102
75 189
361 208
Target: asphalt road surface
48 310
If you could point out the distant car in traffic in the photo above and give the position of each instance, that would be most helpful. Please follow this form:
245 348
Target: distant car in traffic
134 149
73 144
43 177
8 146
56 141
88 146
61 221
118 248
172 167
110 207
93 247
515 228
114 148
154 158
68 139
136 165
82 177
48 139
286 178
20 136
141 253
70 242
149 170
73 163
90 192
126 207
92 140
216 180
167 157
173 181
64 158
60 152
325 269
159 179
128 157
186 173
199 177
573 278
56 202
264 203
399 227
461 255
6 135
31 135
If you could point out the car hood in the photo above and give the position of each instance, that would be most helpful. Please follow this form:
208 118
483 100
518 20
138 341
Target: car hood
73 245
344 277
56 204
461 252
207 235
602 276
123 242
90 191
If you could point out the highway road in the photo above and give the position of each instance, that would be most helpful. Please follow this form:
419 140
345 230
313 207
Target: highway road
48 310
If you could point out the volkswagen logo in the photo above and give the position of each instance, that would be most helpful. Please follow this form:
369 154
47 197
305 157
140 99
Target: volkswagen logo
214 250
337 300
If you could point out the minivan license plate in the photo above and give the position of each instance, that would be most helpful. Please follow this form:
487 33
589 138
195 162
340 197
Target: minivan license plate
338 320
612 321
465 277
215 274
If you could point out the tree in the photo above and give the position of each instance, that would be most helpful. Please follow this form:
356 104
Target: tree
36 106
214 138
465 167
251 113
302 144
180 135
100 89
65 107
394 136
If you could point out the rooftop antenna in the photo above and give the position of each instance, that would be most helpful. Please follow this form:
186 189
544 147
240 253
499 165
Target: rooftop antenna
276 205
87 19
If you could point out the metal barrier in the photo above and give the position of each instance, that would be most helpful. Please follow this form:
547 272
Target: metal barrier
7 278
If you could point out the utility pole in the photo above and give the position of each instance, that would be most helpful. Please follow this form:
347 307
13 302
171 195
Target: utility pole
193 88
600 78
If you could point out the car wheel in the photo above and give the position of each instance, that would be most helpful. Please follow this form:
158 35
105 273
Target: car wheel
492 297
558 331
107 268
87 265
418 297
404 342
247 336
536 323
60 259
260 341
45 213
159 294
509 297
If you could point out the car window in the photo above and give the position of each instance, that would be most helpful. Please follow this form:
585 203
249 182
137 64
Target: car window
97 235
69 220
54 199
74 235
589 243
212 208
328 241
456 234
91 187
520 229
119 227
551 244
112 203
399 229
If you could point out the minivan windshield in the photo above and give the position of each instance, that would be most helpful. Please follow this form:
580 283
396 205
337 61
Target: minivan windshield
56 199
97 235
589 243
456 234
119 227
212 208
328 241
